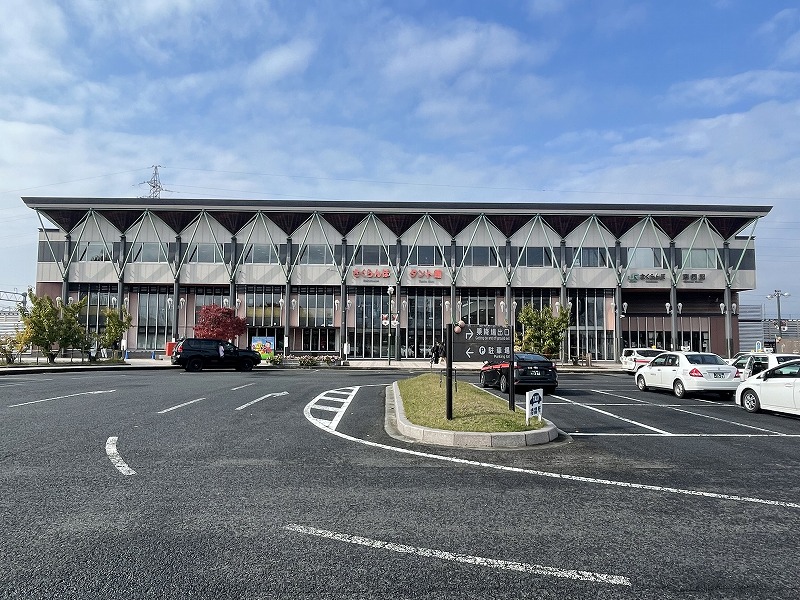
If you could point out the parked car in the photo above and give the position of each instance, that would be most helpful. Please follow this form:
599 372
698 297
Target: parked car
633 359
688 372
775 389
195 354
530 371
752 363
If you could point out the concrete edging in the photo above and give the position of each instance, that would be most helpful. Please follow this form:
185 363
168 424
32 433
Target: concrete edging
468 439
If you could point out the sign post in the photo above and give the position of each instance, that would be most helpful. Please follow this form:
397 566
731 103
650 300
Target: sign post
533 405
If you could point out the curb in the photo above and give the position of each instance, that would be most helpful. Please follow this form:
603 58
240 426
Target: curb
468 439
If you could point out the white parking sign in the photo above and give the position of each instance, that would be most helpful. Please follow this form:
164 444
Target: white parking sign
533 405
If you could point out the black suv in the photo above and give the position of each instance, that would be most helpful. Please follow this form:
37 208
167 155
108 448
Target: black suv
194 353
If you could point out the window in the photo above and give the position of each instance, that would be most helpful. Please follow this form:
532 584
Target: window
371 255
426 256
536 257
260 254
91 251
315 254
205 253
646 258
700 258
148 252
481 256
592 257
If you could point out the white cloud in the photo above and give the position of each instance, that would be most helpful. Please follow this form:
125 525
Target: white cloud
280 62
727 91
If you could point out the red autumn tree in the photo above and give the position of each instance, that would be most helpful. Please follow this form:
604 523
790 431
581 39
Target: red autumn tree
219 323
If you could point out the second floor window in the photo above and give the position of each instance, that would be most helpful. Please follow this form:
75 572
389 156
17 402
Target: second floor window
153 252
204 253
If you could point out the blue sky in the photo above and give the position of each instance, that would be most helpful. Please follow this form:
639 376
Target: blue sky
679 102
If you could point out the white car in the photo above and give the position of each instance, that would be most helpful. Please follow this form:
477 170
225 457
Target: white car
633 359
775 389
753 363
687 372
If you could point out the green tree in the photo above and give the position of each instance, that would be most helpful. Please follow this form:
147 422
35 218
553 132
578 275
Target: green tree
543 332
12 345
50 324
219 323
117 324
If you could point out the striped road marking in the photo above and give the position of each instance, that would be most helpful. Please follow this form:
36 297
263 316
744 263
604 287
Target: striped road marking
116 459
332 402
562 476
477 561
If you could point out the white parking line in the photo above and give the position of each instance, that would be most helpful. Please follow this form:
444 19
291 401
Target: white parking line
689 412
577 478
631 421
61 397
166 410
116 459
478 561
242 386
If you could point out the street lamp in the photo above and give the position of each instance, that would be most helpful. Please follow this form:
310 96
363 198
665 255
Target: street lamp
390 292
776 295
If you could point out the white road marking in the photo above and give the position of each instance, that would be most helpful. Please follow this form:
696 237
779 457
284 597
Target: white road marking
61 397
610 482
166 410
243 406
242 386
632 422
478 561
342 396
116 459
688 412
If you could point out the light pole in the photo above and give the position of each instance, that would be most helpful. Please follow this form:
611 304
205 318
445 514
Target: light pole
776 295
390 292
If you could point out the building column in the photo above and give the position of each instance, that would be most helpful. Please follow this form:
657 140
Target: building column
343 345
673 297
287 305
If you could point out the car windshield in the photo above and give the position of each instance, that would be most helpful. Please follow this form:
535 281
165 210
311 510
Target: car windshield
530 357
705 359
650 353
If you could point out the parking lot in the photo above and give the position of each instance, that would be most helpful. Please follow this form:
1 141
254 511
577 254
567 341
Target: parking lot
611 405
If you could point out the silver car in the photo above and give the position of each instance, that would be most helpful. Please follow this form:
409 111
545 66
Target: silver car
688 372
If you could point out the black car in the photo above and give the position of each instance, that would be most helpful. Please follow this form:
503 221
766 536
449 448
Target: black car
530 371
194 354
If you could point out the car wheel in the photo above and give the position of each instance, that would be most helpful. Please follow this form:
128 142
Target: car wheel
194 365
246 365
641 383
750 401
483 379
504 383
678 389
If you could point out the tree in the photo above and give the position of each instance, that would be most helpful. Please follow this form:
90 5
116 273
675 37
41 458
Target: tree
217 322
543 332
13 345
117 324
49 323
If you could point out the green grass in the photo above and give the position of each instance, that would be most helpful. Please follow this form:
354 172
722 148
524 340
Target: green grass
474 409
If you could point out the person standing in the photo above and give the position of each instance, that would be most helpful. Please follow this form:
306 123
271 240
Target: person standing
435 354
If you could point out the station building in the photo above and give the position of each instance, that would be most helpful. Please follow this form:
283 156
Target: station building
364 279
